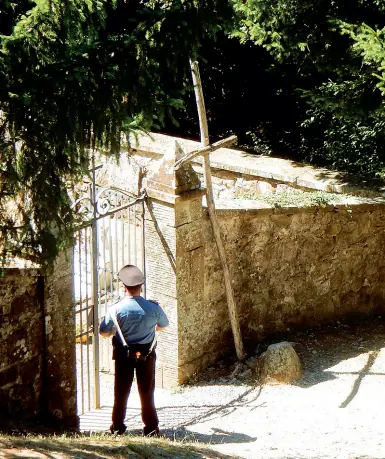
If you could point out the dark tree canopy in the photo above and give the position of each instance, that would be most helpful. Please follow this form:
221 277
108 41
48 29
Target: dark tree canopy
340 116
288 79
299 78
76 75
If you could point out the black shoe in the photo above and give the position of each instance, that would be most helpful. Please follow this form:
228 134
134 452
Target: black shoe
148 432
118 431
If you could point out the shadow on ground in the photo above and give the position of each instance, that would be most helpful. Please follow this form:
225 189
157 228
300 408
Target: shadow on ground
320 349
179 418
218 437
100 447
324 348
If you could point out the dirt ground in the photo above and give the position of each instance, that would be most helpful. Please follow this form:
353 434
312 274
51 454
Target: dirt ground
336 410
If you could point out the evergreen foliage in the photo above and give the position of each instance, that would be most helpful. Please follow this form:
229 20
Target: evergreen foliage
296 84
370 44
340 119
304 79
75 75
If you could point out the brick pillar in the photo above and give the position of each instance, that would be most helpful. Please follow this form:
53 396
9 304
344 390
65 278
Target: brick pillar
174 203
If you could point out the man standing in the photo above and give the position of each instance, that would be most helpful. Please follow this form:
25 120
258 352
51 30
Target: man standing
134 349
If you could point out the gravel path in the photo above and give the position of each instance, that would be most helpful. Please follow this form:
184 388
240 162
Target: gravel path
336 410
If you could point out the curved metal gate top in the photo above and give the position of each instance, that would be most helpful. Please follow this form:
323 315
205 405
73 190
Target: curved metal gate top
111 238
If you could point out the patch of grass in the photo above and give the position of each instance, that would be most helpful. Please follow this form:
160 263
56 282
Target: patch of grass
100 446
296 198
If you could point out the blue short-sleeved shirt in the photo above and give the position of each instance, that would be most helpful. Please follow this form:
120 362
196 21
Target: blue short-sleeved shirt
137 318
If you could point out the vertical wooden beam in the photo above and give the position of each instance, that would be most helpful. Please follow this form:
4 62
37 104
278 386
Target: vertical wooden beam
212 212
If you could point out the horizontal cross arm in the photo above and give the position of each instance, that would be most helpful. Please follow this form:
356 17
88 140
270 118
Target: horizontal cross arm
205 150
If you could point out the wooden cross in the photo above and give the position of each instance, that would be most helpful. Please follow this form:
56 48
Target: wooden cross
205 152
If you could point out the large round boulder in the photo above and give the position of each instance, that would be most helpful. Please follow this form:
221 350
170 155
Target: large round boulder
279 363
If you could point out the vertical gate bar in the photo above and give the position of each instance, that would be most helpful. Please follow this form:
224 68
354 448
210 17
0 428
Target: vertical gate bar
81 319
116 243
109 297
74 277
116 240
116 234
103 233
107 263
121 247
95 290
143 243
123 230
111 254
132 226
129 236
86 250
102 281
135 236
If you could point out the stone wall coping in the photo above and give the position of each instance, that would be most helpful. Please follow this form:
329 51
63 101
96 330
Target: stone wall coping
15 271
229 207
162 196
267 167
20 267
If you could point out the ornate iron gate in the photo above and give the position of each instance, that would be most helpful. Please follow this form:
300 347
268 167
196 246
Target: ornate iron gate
112 237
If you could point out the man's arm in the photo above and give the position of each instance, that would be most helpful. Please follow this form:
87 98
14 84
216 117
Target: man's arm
107 334
162 319
107 328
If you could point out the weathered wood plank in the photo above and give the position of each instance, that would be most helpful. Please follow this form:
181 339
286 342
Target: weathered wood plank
205 150
233 313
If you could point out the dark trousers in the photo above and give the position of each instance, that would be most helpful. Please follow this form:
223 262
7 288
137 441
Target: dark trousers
145 376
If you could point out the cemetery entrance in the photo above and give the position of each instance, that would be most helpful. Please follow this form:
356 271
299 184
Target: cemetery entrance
112 237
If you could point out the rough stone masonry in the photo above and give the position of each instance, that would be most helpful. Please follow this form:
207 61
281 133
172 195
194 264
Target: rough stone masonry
291 266
37 356
21 353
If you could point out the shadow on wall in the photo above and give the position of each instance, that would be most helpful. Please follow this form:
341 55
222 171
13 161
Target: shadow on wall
166 247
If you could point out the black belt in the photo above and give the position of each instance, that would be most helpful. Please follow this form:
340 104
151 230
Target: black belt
139 351
133 351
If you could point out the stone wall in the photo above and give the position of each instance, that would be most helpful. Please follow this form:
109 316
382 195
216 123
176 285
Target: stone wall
290 268
234 170
22 337
60 341
37 356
